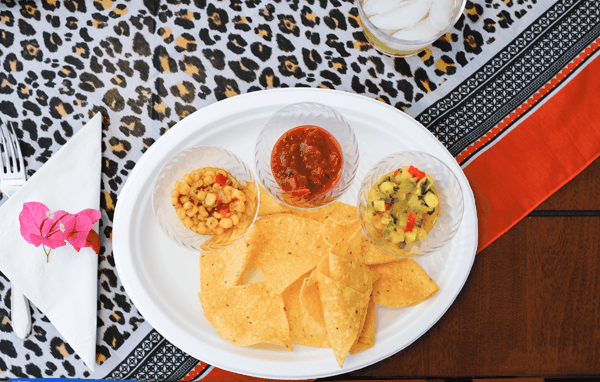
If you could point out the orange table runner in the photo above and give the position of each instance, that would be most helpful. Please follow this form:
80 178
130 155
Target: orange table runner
559 138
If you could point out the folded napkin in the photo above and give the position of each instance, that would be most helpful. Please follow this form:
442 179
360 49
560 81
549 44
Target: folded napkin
64 285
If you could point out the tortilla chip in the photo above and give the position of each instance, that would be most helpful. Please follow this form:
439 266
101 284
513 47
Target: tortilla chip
247 315
304 329
344 309
337 211
292 247
402 283
350 273
362 323
358 347
268 205
251 198
311 299
342 265
323 265
371 254
366 338
349 247
333 230
223 269
353 248
219 241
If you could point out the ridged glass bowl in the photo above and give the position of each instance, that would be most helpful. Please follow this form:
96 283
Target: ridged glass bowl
448 191
185 162
303 114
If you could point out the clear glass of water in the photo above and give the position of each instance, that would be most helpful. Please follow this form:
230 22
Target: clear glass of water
401 28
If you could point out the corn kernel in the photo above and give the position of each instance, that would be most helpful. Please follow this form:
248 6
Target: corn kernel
211 222
193 211
210 199
202 211
184 189
226 223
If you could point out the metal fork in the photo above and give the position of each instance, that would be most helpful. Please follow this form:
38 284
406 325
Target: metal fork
12 176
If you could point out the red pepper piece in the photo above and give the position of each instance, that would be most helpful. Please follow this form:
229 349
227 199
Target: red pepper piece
388 206
410 222
221 179
416 172
224 211
396 172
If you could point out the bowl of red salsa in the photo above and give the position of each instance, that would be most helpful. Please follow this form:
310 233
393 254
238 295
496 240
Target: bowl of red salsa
306 155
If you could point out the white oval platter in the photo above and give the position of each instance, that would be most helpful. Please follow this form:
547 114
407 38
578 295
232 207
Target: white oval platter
163 279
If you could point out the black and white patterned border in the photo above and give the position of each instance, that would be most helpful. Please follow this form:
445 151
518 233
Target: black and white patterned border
154 359
513 75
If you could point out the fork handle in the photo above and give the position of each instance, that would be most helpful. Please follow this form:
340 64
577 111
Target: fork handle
20 314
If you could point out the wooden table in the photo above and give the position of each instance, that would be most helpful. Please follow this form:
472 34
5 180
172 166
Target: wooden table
530 306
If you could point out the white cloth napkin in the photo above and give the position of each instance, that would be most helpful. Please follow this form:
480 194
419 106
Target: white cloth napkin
65 287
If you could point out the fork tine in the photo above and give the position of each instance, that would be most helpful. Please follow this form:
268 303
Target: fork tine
18 158
9 151
3 150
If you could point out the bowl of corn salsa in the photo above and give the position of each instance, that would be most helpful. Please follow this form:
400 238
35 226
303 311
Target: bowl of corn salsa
205 198
410 204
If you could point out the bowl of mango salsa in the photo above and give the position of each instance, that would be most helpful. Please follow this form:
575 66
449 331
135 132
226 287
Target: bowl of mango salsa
410 204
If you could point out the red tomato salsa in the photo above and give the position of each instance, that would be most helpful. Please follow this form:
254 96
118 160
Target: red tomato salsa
306 161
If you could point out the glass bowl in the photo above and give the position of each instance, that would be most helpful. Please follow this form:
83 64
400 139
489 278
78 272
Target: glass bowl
397 47
185 162
448 191
303 114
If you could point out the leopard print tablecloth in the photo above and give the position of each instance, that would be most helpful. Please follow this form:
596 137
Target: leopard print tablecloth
145 65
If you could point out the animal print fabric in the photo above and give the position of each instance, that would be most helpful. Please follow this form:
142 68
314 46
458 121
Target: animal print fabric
145 65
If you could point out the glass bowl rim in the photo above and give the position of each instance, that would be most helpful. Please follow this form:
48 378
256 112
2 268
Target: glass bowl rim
389 38
335 111
190 148
390 156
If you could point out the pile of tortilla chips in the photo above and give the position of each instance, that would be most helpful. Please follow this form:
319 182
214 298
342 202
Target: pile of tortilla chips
323 279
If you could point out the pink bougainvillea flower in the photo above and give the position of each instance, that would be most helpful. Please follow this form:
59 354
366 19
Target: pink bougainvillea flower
52 243
84 221
31 218
59 227
41 226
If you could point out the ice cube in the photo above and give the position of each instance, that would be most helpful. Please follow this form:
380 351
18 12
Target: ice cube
420 31
374 7
408 13
440 15
388 31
